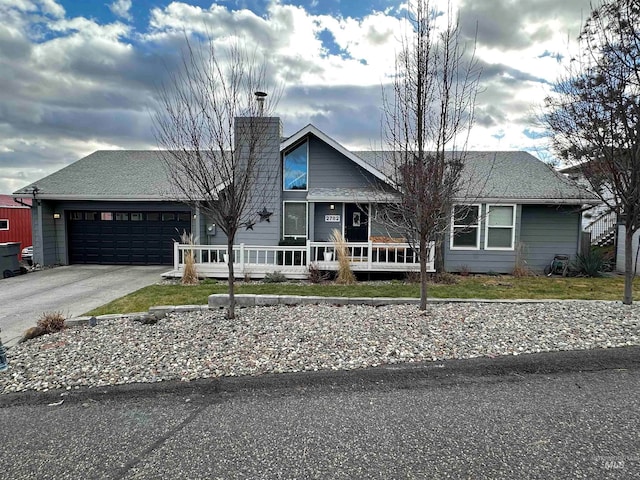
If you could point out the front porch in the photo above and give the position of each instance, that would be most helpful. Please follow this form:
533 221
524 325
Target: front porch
251 261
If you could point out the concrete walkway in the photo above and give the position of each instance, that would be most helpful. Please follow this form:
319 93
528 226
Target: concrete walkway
71 290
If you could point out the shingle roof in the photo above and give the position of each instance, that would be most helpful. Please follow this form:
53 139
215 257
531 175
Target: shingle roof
504 176
140 175
107 174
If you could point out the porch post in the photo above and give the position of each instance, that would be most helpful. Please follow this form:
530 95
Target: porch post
195 228
311 222
308 257
242 257
176 260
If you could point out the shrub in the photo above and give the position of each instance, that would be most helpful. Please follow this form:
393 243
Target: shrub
51 322
315 275
345 275
444 278
521 268
412 277
189 274
588 264
274 277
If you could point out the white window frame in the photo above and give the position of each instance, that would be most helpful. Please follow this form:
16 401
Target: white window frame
306 142
453 226
5 220
512 226
284 218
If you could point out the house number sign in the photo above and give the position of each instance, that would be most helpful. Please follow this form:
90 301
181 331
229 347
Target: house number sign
332 218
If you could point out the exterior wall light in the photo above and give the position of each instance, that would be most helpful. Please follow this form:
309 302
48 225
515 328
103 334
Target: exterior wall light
56 216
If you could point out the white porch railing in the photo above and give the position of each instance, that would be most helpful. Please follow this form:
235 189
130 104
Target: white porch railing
293 262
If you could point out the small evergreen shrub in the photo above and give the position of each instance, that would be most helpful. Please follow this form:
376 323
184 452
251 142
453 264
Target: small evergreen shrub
588 264
274 277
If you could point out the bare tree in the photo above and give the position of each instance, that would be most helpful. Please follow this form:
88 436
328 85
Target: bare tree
427 119
594 114
214 134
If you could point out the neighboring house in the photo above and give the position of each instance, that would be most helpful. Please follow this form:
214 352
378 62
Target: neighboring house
599 220
114 207
15 221
602 223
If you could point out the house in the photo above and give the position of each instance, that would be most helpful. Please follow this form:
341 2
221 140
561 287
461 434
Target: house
114 207
602 223
15 221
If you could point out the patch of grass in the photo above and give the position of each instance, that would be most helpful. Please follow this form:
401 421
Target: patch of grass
476 286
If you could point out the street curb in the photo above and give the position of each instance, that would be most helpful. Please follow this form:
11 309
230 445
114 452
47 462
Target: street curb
433 374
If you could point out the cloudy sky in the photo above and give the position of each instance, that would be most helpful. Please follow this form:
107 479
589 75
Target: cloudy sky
80 75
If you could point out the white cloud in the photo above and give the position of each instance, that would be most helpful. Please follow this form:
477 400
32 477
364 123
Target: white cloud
72 85
121 9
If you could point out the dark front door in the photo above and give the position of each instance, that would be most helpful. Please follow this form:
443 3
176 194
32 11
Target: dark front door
356 222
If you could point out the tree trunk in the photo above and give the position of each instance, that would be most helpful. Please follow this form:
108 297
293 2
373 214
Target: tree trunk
231 310
423 273
628 266
439 253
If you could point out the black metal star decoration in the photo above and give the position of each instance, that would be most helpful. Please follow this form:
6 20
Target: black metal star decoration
249 224
264 214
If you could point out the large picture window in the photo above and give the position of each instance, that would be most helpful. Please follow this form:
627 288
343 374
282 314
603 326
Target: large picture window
296 167
295 219
465 227
500 229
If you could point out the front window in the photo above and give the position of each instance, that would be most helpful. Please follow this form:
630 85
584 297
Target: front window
465 227
295 168
4 224
295 219
500 227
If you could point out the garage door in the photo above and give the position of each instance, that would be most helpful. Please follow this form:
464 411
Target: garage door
124 238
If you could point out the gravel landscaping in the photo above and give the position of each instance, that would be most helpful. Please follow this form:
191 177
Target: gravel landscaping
203 344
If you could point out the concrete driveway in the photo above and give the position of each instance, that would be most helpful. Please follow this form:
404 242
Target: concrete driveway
72 290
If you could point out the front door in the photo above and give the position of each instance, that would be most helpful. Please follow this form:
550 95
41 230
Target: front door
356 222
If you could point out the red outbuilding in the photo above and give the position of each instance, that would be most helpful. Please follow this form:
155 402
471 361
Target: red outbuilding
15 221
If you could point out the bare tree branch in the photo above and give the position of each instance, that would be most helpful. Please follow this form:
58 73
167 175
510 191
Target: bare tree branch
594 114
212 158
427 119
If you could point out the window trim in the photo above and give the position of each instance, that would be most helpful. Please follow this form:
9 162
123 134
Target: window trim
5 220
512 226
284 155
477 226
284 218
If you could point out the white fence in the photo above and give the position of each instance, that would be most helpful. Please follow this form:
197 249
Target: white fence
293 262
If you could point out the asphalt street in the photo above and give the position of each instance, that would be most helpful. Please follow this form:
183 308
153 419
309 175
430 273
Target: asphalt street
559 415
71 290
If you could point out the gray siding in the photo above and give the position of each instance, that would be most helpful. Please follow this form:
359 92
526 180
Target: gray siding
482 261
329 168
322 229
547 231
267 188
620 254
